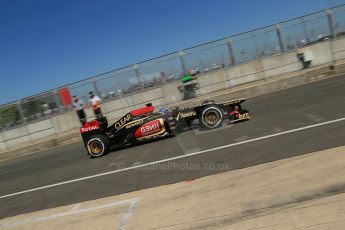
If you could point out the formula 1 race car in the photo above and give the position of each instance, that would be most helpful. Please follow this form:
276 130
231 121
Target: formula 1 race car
143 124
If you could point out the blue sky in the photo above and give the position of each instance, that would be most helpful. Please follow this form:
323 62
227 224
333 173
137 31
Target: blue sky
45 44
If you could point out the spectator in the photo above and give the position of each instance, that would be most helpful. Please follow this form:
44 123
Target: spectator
79 106
96 104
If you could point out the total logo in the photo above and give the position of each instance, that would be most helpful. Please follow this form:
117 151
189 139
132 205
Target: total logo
148 129
87 129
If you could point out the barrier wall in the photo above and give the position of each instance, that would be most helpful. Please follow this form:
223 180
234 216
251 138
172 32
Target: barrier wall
3 145
338 49
280 64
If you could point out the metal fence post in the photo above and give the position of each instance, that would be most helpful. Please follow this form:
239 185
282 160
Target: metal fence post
279 36
305 30
137 74
332 33
257 53
183 64
57 99
330 22
94 83
231 51
21 112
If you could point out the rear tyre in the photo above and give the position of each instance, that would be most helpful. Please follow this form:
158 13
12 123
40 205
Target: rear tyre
211 117
98 145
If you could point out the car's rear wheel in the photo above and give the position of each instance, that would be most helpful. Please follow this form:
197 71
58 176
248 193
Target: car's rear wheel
211 117
98 145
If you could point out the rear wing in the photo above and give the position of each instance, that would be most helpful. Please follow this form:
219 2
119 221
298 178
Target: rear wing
234 102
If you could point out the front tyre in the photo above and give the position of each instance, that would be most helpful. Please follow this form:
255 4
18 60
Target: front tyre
98 145
211 117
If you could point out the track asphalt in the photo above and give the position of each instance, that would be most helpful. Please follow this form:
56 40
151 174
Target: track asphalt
273 113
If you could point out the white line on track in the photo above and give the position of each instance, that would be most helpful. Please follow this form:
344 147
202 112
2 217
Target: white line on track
77 210
175 158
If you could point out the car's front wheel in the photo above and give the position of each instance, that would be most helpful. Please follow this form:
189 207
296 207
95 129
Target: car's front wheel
211 117
98 145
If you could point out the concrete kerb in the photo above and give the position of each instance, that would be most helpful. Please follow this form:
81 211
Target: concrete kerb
249 90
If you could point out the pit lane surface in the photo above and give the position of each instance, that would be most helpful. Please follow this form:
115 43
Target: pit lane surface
272 113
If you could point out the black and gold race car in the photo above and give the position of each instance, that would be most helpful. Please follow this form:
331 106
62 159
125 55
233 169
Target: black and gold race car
144 123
